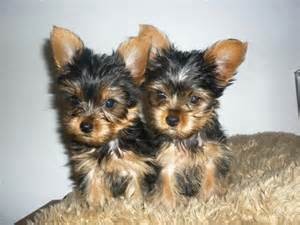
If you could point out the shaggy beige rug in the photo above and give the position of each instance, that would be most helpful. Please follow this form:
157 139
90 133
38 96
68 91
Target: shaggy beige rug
265 189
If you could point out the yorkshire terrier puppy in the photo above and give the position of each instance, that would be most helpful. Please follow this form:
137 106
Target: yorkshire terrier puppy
108 145
181 97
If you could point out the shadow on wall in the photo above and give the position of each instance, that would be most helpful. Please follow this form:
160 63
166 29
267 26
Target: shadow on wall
56 102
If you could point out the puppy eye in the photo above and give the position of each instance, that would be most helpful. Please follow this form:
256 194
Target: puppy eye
75 101
194 99
161 95
110 103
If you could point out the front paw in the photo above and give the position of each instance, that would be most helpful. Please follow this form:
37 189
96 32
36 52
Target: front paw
95 200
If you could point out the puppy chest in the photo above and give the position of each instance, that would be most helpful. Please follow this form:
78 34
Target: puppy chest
179 173
117 182
125 173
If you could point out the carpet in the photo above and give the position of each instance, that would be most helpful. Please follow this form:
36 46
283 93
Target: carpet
264 189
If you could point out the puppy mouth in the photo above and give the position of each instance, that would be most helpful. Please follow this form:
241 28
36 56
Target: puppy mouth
173 133
87 136
86 140
82 137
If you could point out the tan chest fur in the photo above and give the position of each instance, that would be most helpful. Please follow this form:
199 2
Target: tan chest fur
174 159
126 164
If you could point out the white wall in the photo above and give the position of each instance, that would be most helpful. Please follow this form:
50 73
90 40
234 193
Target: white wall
263 98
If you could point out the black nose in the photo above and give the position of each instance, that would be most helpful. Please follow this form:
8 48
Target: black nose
86 127
172 120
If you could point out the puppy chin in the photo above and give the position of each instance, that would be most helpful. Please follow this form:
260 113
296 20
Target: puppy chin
174 133
89 141
86 139
180 136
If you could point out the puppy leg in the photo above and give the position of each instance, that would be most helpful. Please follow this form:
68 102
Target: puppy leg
216 168
95 190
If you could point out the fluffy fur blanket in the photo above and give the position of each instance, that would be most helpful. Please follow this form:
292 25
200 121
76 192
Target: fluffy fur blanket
265 189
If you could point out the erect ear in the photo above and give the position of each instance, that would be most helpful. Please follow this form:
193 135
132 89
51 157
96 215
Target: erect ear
227 55
135 52
158 39
65 45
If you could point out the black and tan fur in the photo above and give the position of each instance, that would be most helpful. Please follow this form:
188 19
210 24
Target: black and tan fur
110 150
181 97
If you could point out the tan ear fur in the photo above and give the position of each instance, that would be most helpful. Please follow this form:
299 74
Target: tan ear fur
157 38
135 52
65 44
227 55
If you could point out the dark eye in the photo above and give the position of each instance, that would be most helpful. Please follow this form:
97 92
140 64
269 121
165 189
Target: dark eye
161 95
110 103
75 101
194 99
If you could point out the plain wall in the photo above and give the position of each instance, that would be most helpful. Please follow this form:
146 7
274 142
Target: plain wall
32 160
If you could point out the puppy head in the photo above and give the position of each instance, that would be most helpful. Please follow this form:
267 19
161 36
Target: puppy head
182 88
99 96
